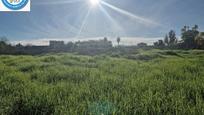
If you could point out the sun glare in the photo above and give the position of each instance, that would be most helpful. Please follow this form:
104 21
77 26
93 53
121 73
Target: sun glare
94 2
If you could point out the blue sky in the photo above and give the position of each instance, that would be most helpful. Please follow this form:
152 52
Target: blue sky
63 19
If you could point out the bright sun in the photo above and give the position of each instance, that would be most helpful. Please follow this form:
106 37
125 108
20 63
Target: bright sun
95 2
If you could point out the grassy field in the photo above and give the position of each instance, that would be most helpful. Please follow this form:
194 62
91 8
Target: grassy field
153 82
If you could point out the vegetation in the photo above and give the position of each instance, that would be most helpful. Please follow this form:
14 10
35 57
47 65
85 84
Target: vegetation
113 80
154 82
5 48
200 40
190 39
118 40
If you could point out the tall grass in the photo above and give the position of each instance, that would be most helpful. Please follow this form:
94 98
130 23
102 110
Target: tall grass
164 82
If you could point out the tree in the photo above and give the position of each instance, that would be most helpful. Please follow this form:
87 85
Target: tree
118 40
4 39
19 45
3 43
195 28
188 36
5 48
172 38
166 40
159 43
142 44
200 41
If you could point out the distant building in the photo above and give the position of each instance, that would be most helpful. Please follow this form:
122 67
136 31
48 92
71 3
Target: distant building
56 44
93 47
95 44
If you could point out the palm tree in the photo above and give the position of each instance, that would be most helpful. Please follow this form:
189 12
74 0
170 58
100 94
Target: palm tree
118 40
195 28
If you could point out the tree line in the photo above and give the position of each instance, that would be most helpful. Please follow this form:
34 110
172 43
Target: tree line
191 38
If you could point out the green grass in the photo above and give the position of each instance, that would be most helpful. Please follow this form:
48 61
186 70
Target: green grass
151 82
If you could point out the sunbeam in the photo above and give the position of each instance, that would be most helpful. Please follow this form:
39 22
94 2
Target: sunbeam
138 18
83 23
113 21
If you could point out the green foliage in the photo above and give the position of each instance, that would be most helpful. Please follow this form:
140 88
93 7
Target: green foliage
159 44
189 37
151 82
5 48
200 40
172 38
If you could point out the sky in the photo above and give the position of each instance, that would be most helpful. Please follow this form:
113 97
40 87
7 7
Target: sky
71 20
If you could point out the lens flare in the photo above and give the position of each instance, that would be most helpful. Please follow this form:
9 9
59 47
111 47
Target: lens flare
94 2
